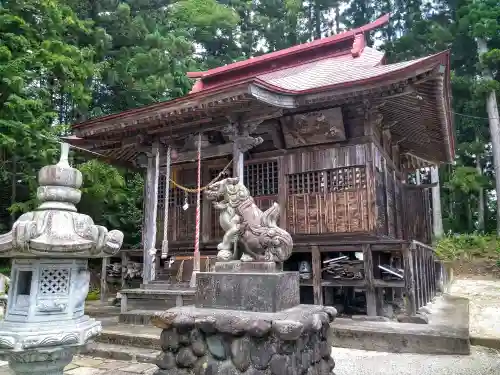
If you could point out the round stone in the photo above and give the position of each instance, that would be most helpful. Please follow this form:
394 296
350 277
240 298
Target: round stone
206 324
163 320
259 328
231 325
240 353
227 368
183 323
199 348
289 330
184 339
205 366
185 358
169 340
216 346
165 361
261 352
281 365
287 347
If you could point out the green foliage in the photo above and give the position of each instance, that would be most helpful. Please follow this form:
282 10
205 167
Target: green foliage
468 246
94 295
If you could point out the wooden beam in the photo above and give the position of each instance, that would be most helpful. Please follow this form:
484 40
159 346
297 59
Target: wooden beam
207 153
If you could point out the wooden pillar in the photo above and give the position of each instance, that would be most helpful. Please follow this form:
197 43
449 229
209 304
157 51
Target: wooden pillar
104 281
316 275
282 191
409 279
150 215
437 217
238 161
125 260
370 293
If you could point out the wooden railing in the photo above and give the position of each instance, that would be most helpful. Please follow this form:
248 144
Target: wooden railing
422 283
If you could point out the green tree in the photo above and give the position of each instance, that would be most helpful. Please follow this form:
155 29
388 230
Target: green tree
42 83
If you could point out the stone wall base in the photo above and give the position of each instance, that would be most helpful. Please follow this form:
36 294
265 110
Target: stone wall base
296 341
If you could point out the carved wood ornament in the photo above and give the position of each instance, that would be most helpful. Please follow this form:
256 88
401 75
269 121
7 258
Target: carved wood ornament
314 128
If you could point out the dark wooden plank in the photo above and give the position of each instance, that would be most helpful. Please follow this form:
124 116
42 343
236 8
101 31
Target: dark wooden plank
316 275
371 300
389 283
346 283
409 279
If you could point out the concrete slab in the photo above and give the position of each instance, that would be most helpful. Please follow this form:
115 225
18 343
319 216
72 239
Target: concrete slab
481 361
484 297
446 333
84 371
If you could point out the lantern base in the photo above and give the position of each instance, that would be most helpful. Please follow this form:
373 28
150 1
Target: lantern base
41 361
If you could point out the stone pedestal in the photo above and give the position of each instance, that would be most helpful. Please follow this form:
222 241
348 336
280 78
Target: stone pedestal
246 322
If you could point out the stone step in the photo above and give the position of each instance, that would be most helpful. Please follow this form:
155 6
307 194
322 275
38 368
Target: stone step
141 336
120 352
137 317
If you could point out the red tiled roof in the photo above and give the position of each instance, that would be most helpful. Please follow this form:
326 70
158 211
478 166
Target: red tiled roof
300 49
330 71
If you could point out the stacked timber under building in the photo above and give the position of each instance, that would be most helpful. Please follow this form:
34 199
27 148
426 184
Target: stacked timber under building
327 130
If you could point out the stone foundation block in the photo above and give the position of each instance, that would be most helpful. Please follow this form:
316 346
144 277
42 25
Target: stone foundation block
258 292
199 341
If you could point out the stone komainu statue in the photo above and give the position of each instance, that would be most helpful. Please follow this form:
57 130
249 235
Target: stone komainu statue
244 223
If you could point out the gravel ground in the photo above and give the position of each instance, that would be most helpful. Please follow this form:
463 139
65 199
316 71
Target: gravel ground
358 362
484 305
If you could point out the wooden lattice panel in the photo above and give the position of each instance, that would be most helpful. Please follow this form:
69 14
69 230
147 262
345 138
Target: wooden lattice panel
330 201
261 179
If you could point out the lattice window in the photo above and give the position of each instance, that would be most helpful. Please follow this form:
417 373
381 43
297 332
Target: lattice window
54 281
333 180
306 182
261 179
349 178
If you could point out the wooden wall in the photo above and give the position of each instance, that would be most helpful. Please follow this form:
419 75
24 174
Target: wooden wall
327 191
344 189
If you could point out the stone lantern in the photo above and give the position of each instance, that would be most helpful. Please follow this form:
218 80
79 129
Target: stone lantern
44 324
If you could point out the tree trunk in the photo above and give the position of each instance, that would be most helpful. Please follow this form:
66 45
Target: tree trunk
494 122
437 217
480 202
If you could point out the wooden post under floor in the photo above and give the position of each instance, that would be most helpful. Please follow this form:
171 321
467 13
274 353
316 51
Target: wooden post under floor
150 215
104 281
411 304
371 297
316 275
